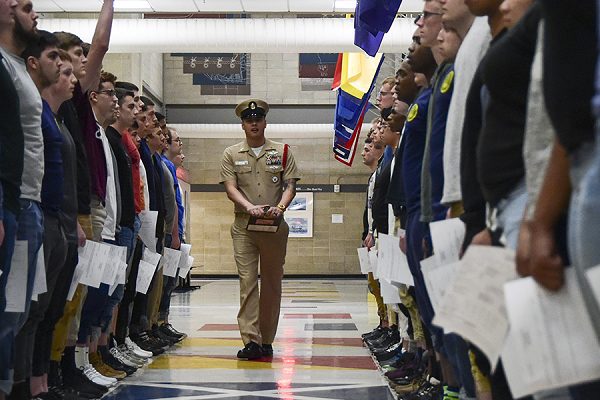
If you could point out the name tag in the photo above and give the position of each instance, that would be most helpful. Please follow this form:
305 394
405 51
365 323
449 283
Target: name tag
242 162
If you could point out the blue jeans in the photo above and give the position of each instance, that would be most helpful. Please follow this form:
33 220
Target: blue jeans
583 233
125 238
510 215
30 227
6 253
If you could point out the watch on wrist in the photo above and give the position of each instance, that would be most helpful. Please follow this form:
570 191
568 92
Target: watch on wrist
281 207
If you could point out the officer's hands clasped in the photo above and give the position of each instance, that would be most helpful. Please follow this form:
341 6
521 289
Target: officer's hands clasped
265 211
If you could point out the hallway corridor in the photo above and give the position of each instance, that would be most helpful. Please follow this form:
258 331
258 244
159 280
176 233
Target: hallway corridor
318 349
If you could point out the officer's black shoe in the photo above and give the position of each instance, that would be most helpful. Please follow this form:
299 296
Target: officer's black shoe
267 350
251 351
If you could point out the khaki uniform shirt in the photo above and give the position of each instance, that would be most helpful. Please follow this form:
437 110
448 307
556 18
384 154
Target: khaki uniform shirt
260 178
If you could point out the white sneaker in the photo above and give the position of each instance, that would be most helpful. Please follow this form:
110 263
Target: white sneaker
124 359
135 349
95 376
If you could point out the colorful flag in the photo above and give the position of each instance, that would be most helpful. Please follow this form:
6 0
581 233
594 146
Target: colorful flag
351 107
372 19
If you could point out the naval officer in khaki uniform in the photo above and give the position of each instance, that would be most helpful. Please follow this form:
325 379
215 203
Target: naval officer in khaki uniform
260 179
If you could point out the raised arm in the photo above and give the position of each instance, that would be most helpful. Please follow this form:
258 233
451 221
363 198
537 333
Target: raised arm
99 46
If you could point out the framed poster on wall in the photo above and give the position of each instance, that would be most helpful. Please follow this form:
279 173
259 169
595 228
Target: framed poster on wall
299 216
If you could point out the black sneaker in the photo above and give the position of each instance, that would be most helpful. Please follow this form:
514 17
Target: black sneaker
164 328
175 331
158 342
251 351
378 331
79 383
157 332
145 343
267 350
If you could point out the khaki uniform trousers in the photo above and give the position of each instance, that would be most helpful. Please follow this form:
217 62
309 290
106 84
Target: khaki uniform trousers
259 311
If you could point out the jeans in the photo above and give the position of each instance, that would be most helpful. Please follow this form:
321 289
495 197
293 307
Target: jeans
6 252
583 233
30 227
510 215
125 238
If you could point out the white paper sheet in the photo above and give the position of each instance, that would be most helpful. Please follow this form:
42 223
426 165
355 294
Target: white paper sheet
593 276
171 261
447 237
185 253
389 292
151 257
392 263
373 262
120 278
96 255
363 259
473 305
16 283
184 271
40 284
117 256
144 277
81 266
551 342
148 230
437 279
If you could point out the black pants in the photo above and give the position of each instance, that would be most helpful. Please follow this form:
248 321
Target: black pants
127 304
55 254
43 337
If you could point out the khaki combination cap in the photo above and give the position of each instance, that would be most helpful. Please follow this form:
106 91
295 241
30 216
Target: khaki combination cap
252 108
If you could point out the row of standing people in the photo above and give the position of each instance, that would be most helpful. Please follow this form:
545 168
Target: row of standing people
490 120
83 156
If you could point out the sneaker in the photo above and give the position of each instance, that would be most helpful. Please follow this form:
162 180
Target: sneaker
175 331
126 352
431 389
158 342
137 350
409 384
389 353
98 378
166 331
385 341
251 351
144 342
109 359
105 369
124 358
75 380
157 332
267 350
408 368
378 331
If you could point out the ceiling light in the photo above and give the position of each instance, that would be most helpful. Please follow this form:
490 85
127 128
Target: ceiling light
132 5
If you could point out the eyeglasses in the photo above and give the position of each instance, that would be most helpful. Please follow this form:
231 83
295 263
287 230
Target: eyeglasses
425 15
108 92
